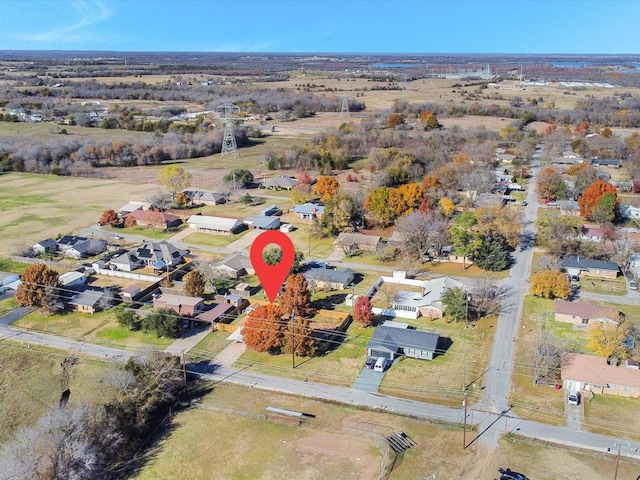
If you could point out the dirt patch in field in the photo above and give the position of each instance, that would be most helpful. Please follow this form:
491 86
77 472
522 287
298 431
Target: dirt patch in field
358 454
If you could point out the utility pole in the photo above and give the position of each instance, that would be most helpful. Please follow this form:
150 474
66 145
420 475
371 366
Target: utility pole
293 340
184 373
464 404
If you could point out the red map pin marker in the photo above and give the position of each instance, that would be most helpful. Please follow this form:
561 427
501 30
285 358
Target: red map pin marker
272 276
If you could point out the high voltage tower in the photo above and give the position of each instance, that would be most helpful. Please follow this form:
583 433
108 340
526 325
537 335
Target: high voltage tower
344 111
229 145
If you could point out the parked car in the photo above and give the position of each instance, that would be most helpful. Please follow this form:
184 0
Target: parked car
633 285
381 364
371 361
573 398
115 236
525 203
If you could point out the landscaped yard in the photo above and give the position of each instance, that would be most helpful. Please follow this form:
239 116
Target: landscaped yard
210 346
611 415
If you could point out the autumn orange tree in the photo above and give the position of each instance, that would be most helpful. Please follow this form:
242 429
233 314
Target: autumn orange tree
109 217
37 286
394 120
592 195
362 311
296 298
429 120
327 187
264 329
550 284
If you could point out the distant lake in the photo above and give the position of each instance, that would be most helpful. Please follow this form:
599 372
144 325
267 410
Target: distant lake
395 65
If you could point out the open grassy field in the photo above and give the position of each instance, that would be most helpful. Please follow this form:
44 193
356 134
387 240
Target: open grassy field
35 207
228 437
31 383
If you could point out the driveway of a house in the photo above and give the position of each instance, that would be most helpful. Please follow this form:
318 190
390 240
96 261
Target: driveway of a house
369 380
245 241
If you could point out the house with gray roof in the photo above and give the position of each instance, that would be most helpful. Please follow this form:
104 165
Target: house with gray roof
281 182
80 247
391 342
87 300
263 223
158 254
205 197
588 267
235 265
48 245
327 279
606 162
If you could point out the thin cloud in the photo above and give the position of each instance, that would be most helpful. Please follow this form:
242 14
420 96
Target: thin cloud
91 13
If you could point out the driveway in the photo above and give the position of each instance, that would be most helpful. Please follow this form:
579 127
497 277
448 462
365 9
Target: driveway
369 380
245 241
15 314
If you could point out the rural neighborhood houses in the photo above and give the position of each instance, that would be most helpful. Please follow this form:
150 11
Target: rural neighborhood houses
156 254
357 241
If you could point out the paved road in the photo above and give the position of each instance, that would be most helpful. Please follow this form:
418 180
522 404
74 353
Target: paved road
495 396
15 314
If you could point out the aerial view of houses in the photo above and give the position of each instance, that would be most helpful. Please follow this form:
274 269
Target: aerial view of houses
460 299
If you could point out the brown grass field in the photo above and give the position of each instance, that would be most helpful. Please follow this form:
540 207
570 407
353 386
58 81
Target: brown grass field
224 440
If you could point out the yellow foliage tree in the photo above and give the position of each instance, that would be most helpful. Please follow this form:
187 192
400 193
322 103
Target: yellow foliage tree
550 284
605 339
446 206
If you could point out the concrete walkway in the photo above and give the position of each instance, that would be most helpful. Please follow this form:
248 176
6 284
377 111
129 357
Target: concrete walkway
230 354
182 234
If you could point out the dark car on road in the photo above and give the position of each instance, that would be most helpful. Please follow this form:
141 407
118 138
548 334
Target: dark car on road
371 361
508 474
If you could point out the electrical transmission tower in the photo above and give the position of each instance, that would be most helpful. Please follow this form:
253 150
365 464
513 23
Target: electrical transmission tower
229 145
344 111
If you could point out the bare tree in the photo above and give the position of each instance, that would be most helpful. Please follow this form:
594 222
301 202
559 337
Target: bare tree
421 232
487 297
547 360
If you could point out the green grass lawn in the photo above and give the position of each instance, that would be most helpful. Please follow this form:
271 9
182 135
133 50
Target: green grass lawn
607 286
100 328
213 240
210 346
7 305
149 232
610 415
8 265
310 245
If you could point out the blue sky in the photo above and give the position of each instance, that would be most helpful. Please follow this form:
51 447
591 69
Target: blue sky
304 26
